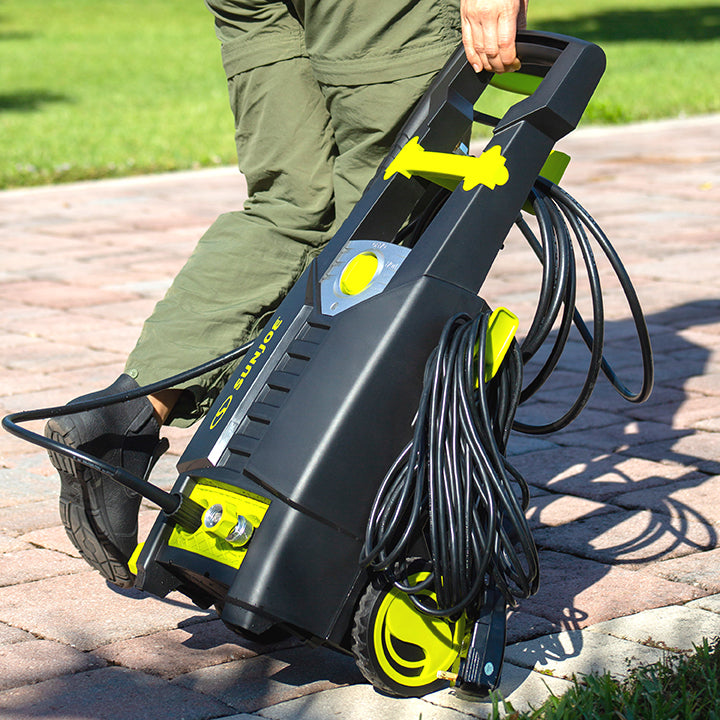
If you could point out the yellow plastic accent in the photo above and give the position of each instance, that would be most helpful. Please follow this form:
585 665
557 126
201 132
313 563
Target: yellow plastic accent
516 82
132 562
449 169
555 166
358 273
553 170
439 639
502 327
203 542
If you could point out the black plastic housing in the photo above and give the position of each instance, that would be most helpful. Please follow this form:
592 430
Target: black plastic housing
322 405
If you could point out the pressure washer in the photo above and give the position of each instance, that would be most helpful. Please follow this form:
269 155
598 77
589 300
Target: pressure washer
350 485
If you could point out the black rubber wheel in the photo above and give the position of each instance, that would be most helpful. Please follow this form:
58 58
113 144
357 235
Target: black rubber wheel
399 649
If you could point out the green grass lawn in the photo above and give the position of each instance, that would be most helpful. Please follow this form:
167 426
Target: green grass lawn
663 55
92 88
676 688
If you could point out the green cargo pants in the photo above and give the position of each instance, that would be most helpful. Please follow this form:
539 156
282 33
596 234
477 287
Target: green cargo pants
319 89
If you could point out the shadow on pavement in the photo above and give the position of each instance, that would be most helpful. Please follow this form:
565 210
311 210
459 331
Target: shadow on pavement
599 565
592 464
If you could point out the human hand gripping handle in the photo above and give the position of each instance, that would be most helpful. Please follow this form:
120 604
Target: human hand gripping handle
488 32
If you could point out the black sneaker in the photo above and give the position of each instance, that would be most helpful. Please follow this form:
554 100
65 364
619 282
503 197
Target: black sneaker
99 514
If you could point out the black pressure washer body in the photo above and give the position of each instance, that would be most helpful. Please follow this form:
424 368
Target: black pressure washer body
323 403
286 467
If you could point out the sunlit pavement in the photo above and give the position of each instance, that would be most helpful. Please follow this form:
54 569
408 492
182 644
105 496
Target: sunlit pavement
625 503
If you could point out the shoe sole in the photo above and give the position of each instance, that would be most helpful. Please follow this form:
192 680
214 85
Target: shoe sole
79 514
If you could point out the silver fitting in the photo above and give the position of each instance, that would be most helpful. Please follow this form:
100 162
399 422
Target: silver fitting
228 525
242 532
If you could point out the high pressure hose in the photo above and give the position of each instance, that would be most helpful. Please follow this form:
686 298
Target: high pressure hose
172 504
560 220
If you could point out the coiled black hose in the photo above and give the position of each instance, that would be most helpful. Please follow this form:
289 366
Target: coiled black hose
453 484
561 220
452 487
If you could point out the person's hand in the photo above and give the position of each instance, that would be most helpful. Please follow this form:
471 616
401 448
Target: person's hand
488 32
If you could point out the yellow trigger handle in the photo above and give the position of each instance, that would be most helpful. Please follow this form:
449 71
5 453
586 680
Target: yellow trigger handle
449 169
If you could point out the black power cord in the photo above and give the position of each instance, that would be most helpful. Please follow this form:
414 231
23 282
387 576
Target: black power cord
452 487
561 219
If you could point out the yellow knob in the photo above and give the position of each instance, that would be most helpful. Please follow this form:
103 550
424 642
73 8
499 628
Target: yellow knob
358 273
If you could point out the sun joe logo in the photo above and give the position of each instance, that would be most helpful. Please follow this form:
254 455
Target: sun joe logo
246 371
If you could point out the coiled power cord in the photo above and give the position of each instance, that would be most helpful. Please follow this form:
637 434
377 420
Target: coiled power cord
452 487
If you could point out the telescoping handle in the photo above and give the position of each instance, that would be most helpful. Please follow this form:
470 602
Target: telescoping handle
461 242
570 70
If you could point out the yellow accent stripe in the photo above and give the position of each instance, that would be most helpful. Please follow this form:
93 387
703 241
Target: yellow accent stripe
210 492
502 327
132 562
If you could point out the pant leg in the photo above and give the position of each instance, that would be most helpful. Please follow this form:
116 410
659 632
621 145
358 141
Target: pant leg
288 150
366 120
247 261
374 59
361 42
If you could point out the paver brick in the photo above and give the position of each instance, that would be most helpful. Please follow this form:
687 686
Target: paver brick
552 510
109 693
708 383
575 592
710 603
25 566
579 653
181 651
254 683
696 498
696 450
597 477
10 635
691 411
12 544
709 425
621 437
699 569
24 381
361 702
28 481
132 313
62 356
26 663
52 538
630 538
84 611
524 626
58 295
674 628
